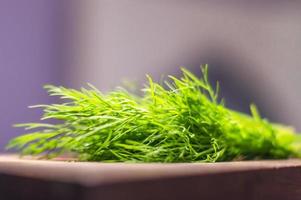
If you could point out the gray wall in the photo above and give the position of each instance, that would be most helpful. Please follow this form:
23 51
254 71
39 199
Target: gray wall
254 47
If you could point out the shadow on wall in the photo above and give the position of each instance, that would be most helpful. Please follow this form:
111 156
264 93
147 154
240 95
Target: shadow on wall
240 85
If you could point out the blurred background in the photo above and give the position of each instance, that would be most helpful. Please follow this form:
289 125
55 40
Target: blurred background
252 47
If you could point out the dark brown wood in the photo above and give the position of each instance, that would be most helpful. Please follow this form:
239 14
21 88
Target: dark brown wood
58 180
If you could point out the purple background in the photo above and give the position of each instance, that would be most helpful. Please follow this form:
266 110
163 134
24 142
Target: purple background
30 56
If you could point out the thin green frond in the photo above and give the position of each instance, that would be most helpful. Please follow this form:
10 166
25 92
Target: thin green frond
182 121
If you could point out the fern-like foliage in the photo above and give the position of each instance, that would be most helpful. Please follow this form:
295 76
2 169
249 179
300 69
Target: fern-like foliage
182 121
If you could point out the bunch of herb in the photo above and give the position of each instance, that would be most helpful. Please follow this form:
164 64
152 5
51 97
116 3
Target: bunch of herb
180 121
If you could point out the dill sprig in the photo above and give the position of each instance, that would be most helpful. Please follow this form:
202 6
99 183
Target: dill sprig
179 121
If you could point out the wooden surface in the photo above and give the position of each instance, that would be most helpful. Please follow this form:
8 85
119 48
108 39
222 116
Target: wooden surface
39 179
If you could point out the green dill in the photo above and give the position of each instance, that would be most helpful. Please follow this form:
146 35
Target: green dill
182 120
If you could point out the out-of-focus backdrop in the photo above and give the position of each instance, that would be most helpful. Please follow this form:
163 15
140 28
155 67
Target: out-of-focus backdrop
252 47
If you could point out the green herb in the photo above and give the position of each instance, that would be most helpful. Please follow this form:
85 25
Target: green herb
181 121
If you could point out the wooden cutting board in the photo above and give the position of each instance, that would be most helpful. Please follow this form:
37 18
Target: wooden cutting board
63 180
